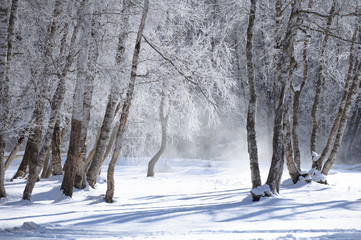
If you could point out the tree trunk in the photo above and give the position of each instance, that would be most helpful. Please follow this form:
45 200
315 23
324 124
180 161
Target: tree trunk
46 164
7 29
75 147
351 97
163 123
335 125
2 167
252 105
32 151
4 88
73 156
87 70
56 165
21 172
126 106
286 66
293 169
55 110
35 138
14 152
318 87
93 171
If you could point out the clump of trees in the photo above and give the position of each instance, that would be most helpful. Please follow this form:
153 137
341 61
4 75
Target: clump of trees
109 78
301 25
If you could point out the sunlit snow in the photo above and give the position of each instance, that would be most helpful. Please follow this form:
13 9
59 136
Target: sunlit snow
187 199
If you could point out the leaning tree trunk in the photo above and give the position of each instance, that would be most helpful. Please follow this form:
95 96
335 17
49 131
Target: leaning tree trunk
21 172
13 153
55 112
335 125
34 140
290 161
286 66
126 106
163 122
252 105
318 87
351 97
101 145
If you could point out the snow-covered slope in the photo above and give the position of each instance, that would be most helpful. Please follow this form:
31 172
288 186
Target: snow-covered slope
187 199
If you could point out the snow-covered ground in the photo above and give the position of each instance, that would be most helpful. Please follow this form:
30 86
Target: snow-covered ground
187 199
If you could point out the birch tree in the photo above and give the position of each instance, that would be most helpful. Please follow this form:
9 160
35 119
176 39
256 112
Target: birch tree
126 105
251 115
37 163
286 66
8 14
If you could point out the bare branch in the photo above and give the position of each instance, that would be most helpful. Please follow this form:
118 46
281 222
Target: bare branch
322 30
188 78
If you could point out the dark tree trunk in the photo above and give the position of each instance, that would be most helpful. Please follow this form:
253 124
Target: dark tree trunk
56 165
34 168
73 156
22 169
293 169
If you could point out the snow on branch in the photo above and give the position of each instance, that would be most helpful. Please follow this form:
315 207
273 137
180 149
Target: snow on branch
188 78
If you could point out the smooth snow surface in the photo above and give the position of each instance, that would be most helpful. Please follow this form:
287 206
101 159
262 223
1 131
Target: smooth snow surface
187 199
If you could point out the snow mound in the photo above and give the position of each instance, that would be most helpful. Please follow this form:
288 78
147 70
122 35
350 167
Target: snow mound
166 168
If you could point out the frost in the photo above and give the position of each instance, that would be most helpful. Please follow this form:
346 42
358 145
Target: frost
297 88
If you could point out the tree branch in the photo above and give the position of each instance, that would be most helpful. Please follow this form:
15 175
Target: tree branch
188 78
322 30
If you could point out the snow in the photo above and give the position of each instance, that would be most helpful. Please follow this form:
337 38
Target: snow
190 199
315 156
297 88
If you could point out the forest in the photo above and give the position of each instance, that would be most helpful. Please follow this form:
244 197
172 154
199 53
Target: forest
91 82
